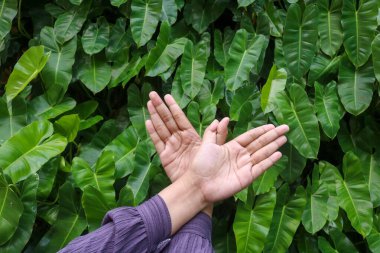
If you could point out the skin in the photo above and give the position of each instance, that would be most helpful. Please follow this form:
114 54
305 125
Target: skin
205 171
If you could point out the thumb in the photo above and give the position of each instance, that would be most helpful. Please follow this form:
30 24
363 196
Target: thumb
222 131
210 133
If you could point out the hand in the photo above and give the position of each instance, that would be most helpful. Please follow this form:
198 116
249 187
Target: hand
221 171
174 137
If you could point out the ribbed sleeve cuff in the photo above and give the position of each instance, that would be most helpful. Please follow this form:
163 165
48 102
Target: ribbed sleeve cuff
200 225
156 219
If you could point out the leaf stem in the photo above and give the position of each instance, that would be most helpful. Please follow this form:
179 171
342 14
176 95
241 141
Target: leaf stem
19 24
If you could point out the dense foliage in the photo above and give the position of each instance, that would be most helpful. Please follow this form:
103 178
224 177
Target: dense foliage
75 75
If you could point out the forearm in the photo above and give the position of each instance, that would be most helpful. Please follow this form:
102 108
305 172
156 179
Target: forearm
183 200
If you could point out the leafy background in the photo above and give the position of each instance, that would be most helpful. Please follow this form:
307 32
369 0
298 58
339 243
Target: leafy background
74 82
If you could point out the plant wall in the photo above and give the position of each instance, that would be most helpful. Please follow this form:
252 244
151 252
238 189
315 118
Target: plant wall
75 77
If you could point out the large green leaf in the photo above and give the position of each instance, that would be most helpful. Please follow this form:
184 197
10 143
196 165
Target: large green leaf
324 246
249 238
47 176
354 196
29 149
100 176
123 148
315 214
119 41
376 56
193 65
24 230
13 118
286 218
275 83
8 11
11 209
300 37
95 206
323 68
57 72
123 72
39 108
329 27
341 242
70 22
370 165
267 180
165 53
96 36
143 171
222 43
200 119
328 108
117 3
244 55
26 69
145 15
137 110
355 86
296 111
68 126
328 176
95 73
70 222
359 26
295 165
169 11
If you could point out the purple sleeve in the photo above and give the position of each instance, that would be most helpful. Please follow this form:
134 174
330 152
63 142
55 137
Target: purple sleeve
195 236
127 229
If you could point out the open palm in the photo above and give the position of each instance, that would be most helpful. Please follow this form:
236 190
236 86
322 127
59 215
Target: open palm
174 137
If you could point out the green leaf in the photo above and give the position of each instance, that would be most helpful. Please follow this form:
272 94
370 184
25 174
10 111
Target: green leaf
26 69
95 207
164 54
286 218
70 222
169 11
267 180
57 72
328 108
47 176
144 169
145 15
341 241
275 83
96 36
100 176
200 14
323 68
12 119
329 176
123 148
39 108
376 56
329 27
370 165
193 65
11 209
354 196
295 165
373 240
70 22
300 38
200 120
76 2
122 72
29 149
242 97
95 73
248 237
27 219
359 26
119 41
68 126
244 55
355 86
222 44
117 3
324 246
296 111
245 3
138 113
315 214
7 14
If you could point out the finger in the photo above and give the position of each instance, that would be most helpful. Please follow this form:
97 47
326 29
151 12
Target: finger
158 124
266 138
158 143
163 111
179 116
261 167
253 134
222 131
268 150
210 132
